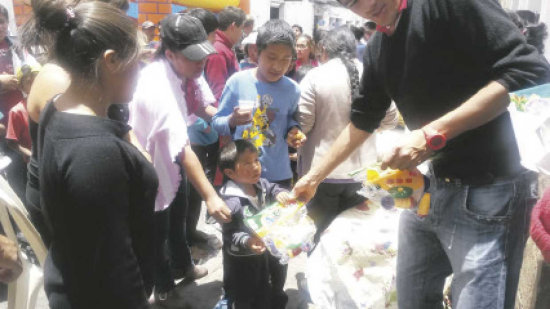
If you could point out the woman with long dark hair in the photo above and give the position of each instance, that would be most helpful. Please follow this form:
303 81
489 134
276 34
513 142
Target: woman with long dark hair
97 190
323 112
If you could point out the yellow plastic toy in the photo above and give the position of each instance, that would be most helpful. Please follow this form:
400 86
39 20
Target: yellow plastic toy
394 188
399 184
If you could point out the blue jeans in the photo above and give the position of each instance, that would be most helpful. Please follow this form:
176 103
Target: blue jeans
476 233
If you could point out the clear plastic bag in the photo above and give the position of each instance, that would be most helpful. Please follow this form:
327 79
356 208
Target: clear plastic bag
530 114
286 230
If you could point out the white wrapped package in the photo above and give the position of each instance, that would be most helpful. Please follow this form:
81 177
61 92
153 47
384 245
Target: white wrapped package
530 114
353 266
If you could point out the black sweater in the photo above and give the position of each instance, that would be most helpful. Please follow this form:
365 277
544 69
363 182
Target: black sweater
97 193
441 54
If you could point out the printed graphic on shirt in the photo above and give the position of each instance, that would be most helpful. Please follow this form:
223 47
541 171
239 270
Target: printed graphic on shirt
259 133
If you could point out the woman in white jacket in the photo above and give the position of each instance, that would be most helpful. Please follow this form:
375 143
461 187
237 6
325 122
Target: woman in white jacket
323 112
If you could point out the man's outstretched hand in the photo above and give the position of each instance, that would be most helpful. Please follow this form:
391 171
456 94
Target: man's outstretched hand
305 189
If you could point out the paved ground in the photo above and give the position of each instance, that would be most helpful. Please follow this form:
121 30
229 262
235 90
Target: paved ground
205 293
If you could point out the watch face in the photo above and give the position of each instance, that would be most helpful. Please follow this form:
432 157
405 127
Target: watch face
434 139
437 142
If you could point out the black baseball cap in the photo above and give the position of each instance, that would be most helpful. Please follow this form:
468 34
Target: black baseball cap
186 34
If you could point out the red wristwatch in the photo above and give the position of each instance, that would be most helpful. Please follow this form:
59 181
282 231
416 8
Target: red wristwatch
434 139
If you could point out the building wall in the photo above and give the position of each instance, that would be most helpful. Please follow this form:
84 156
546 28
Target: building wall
153 10
22 11
260 10
300 13
330 16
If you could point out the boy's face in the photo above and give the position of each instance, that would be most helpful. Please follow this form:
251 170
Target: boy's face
273 62
253 52
302 49
248 168
235 32
150 33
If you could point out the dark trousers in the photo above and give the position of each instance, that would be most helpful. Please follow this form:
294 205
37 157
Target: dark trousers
177 238
329 201
208 157
255 281
164 281
170 237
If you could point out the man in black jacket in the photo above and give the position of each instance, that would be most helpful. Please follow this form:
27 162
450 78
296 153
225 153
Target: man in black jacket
449 65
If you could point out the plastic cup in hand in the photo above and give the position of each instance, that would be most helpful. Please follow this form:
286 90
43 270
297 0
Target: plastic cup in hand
246 106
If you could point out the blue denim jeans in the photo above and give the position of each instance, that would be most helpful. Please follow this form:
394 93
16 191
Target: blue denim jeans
477 233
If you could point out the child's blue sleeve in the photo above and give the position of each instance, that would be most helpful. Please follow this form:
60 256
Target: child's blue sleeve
220 121
292 111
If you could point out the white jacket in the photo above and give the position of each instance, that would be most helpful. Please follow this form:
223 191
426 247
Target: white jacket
324 111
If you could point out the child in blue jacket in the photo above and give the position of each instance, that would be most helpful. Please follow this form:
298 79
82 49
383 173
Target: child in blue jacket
253 278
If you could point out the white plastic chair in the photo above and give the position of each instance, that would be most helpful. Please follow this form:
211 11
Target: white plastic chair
22 293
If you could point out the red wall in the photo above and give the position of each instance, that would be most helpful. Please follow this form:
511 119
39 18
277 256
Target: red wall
22 11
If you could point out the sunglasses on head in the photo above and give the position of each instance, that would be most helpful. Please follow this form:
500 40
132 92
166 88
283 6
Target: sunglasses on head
347 3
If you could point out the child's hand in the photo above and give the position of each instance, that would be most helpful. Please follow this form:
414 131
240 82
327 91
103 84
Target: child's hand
240 117
295 138
256 245
285 198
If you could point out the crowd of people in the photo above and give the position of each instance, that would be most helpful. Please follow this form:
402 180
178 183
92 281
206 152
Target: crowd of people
120 136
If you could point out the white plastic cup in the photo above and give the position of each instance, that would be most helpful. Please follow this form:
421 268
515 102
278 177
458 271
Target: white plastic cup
247 106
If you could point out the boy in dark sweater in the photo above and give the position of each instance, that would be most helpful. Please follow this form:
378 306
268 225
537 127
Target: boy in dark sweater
253 278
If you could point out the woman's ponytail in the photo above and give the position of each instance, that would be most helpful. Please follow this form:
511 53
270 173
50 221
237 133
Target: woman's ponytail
76 37
340 43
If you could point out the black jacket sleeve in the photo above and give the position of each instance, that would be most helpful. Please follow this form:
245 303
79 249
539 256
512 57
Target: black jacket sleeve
369 107
483 30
